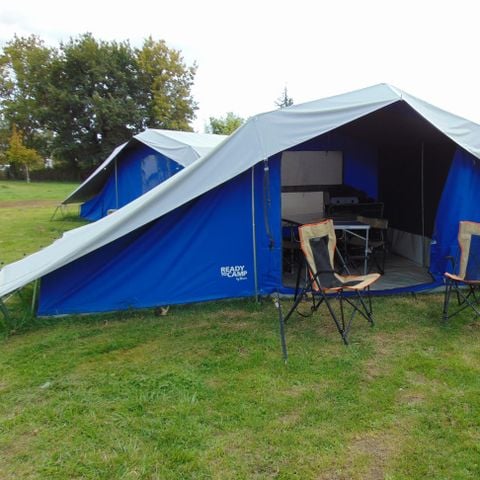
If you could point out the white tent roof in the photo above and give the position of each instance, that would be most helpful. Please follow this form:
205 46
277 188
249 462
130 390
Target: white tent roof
182 147
259 138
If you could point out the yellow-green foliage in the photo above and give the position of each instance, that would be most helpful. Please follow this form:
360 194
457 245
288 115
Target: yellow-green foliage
18 154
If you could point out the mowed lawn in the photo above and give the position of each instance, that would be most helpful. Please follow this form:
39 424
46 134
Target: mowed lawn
203 392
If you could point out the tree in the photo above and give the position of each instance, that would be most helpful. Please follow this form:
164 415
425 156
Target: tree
18 154
93 100
75 103
165 82
24 67
224 125
284 100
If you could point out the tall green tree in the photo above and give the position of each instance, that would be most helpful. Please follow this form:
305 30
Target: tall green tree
284 100
76 102
166 82
224 125
93 99
24 72
18 154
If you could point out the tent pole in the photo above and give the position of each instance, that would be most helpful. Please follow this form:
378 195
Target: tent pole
116 185
34 296
254 236
422 199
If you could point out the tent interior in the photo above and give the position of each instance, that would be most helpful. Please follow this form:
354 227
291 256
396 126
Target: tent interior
390 164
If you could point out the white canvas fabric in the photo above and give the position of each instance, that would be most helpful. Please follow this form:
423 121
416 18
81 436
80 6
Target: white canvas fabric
182 147
259 138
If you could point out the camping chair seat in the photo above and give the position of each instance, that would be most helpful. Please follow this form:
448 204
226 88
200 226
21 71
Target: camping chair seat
318 244
359 282
468 271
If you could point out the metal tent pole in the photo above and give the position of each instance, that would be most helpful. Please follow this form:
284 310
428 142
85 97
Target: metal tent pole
422 199
116 185
254 240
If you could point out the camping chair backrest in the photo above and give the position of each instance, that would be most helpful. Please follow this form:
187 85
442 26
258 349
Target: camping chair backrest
318 241
469 241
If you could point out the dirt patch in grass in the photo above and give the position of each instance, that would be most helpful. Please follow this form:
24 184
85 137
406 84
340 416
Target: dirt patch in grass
367 457
28 203
411 398
235 314
378 448
236 326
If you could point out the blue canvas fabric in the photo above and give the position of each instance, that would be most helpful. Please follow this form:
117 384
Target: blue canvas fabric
460 201
139 169
201 251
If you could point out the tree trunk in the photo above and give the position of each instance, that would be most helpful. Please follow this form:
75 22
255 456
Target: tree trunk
27 174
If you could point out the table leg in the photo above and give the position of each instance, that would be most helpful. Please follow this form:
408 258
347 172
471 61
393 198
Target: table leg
365 266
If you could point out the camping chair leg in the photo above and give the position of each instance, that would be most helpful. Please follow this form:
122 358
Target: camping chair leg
370 310
341 331
297 282
342 313
298 299
471 293
474 294
463 300
366 312
468 302
446 300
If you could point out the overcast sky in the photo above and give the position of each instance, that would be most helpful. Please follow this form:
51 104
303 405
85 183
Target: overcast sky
248 51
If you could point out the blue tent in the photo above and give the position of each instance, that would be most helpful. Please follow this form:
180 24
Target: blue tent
134 168
214 230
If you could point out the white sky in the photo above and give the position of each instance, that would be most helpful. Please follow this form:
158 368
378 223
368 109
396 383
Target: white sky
248 51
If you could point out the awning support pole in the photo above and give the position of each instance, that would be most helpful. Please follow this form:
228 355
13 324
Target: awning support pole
34 296
254 240
422 193
116 185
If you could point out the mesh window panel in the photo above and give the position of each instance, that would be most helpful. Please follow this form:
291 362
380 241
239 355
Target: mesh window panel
473 265
326 278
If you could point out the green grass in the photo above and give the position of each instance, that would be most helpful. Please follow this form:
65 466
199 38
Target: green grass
25 212
203 393
15 190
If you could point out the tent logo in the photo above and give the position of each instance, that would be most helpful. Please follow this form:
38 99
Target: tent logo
235 271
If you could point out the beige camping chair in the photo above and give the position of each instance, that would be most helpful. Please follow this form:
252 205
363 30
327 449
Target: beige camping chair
318 243
468 271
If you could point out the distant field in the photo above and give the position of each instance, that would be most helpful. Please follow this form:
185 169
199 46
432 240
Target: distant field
25 212
203 392
55 191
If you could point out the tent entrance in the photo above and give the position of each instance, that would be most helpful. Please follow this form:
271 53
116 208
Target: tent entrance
390 164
